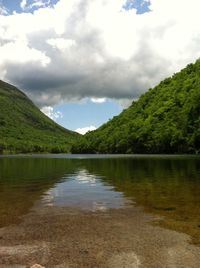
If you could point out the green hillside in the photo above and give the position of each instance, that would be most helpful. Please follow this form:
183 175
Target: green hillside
24 128
166 119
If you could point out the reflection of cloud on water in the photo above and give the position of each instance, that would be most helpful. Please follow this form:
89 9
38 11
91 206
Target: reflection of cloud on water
48 198
85 191
83 176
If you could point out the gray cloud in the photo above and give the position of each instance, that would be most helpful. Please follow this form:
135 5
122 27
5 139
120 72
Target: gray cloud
81 49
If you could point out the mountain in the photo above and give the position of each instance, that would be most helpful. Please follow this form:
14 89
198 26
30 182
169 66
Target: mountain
24 128
166 119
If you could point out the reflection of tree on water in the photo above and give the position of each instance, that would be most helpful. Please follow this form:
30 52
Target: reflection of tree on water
24 180
165 186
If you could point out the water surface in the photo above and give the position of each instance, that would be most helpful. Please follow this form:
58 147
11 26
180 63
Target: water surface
164 185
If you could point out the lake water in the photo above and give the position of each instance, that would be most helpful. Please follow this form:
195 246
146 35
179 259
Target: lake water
168 186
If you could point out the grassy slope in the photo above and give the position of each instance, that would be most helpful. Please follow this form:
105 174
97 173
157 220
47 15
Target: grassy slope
166 119
24 128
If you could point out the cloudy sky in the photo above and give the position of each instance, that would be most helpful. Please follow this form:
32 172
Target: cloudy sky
82 61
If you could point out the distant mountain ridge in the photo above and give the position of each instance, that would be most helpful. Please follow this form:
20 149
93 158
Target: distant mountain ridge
24 128
166 119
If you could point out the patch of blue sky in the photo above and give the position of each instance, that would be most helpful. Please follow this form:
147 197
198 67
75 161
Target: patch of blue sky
86 113
141 6
29 5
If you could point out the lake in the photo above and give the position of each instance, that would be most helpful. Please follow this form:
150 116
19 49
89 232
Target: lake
166 186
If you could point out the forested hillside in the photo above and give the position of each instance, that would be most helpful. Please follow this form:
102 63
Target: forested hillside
166 119
24 128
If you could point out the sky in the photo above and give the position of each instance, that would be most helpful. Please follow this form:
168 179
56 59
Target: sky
83 61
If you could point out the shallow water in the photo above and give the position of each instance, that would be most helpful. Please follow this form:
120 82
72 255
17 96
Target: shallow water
165 185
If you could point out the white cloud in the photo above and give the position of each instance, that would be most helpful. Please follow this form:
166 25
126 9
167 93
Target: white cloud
20 53
98 100
35 4
3 10
84 130
94 48
49 111
23 4
39 4
61 43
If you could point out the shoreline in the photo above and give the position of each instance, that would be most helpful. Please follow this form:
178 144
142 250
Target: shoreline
94 156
